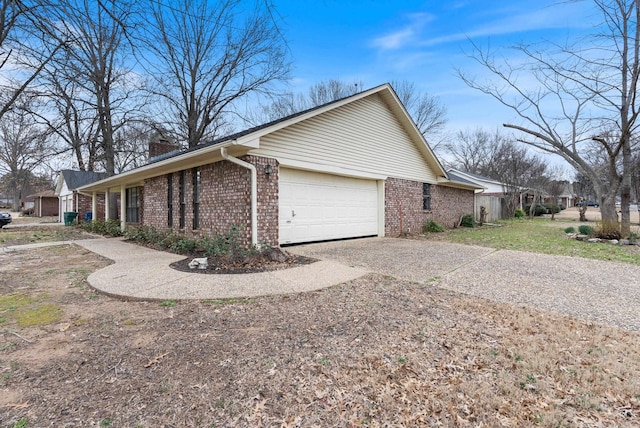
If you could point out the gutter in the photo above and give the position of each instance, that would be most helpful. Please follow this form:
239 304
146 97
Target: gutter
254 191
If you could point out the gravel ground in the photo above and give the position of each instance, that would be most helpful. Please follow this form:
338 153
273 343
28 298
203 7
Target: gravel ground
599 291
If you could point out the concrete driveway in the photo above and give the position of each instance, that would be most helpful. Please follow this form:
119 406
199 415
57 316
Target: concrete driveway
604 292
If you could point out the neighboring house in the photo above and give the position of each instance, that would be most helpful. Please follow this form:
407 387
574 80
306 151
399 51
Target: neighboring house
44 203
491 197
354 167
70 200
567 197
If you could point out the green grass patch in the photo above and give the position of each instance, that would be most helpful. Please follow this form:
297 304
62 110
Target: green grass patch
39 315
28 311
538 236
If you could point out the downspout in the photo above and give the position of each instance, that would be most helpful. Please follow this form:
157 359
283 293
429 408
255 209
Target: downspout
254 191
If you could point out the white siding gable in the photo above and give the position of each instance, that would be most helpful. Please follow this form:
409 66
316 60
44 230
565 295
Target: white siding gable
361 138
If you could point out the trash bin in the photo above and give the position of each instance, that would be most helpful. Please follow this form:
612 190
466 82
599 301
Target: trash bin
88 216
69 218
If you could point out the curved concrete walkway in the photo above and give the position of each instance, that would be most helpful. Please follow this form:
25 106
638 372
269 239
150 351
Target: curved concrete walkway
144 274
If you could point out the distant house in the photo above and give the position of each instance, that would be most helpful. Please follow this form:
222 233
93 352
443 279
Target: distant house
567 197
490 197
351 168
43 203
70 200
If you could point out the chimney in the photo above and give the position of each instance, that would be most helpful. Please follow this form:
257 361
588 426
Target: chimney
161 147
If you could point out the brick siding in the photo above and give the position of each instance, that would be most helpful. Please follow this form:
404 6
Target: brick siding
225 200
404 201
449 204
84 206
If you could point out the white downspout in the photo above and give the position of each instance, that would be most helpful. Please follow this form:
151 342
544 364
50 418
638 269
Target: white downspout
254 191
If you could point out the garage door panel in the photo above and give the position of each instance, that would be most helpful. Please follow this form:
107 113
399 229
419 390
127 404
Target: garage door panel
316 206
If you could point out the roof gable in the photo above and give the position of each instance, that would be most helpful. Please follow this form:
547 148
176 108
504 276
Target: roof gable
251 141
75 179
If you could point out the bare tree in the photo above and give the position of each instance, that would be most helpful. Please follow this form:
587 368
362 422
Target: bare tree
288 103
131 145
23 148
331 90
473 150
428 113
69 115
593 87
209 55
517 170
555 187
94 70
26 46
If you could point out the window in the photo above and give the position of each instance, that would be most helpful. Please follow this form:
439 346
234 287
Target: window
426 196
133 204
183 199
170 200
196 198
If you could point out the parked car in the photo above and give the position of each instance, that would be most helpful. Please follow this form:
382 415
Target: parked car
5 219
589 204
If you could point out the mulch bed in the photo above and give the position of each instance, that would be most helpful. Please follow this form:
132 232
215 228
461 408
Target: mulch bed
266 261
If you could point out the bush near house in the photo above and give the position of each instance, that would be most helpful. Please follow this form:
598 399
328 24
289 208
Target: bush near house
432 226
468 220
101 227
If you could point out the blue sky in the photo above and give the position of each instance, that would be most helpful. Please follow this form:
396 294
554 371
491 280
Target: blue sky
376 41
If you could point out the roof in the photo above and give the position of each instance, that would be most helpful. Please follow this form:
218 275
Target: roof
458 178
75 179
43 194
241 143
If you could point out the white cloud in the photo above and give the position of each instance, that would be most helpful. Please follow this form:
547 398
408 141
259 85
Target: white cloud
405 36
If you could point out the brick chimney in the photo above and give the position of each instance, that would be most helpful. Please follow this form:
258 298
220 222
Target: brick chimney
161 147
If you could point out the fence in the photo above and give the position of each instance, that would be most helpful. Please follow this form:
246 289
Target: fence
495 206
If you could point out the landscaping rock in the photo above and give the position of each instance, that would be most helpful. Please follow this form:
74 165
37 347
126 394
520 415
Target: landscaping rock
624 242
200 263
613 241
277 255
594 240
582 237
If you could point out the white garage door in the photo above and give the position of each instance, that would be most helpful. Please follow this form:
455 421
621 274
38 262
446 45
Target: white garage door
316 207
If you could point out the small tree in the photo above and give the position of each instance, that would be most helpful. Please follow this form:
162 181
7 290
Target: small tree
209 55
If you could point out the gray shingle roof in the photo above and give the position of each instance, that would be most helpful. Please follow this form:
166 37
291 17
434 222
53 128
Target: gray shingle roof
75 179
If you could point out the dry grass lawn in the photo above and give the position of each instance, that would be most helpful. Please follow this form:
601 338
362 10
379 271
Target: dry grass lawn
372 352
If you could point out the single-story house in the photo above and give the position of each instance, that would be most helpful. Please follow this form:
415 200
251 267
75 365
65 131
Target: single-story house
354 167
70 200
44 203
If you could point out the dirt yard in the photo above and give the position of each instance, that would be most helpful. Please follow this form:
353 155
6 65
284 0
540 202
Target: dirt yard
372 352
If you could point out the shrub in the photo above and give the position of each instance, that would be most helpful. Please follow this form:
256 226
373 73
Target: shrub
107 228
432 226
519 213
538 211
585 230
569 229
468 221
553 208
143 234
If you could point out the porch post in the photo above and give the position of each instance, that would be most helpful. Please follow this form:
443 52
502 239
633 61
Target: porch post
94 206
107 205
123 208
